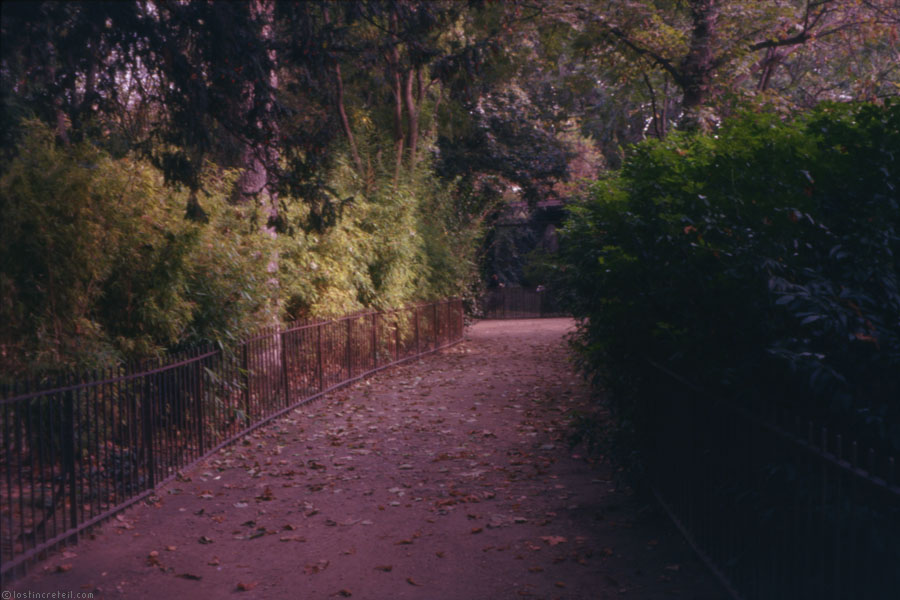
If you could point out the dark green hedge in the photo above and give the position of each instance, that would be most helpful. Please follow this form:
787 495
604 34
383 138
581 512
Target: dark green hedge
760 261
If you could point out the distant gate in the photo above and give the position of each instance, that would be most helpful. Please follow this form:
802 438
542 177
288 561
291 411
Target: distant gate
520 303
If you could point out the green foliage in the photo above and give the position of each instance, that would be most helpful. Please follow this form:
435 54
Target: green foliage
98 265
389 246
761 260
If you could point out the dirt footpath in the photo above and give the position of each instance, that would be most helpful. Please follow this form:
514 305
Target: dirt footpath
447 478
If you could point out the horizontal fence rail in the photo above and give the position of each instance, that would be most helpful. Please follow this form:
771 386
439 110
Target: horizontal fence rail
520 303
76 451
782 508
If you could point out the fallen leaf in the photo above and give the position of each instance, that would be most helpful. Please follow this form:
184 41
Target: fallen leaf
246 587
63 568
266 495
205 540
317 567
190 576
385 568
171 548
410 581
214 562
345 593
476 530
553 540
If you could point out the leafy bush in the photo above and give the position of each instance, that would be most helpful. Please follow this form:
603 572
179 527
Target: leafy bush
97 264
759 261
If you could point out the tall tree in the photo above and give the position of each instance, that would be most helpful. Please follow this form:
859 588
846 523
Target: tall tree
712 49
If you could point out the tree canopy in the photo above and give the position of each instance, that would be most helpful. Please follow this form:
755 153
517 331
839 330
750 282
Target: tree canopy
351 154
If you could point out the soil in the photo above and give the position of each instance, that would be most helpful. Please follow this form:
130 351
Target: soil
445 478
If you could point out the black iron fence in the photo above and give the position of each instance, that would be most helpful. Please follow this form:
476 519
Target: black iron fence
78 450
780 507
520 303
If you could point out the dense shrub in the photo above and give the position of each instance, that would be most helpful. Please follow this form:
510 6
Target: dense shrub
759 261
98 265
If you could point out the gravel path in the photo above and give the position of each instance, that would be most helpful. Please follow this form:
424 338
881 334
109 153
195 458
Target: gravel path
447 478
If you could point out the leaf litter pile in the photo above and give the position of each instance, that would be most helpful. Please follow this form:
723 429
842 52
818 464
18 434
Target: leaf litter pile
447 478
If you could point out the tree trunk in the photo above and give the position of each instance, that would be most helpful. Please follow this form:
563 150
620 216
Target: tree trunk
698 65
397 89
258 160
345 122
255 182
342 112
412 119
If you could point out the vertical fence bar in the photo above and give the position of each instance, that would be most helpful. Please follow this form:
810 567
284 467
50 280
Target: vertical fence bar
68 431
147 427
434 326
349 348
321 357
285 379
245 374
374 340
416 321
198 369
397 339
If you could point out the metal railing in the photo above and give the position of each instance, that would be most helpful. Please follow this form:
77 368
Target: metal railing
779 507
78 450
520 303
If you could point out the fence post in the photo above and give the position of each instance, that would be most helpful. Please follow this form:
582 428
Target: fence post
198 367
284 368
374 340
436 327
147 422
246 375
320 356
349 348
416 321
397 339
69 445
